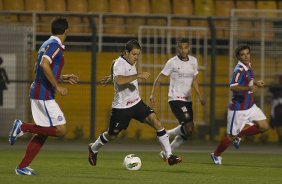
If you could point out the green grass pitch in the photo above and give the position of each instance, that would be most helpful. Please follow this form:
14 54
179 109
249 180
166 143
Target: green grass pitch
71 167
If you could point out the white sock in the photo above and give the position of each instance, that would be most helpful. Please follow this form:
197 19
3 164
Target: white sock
175 131
100 142
164 140
177 142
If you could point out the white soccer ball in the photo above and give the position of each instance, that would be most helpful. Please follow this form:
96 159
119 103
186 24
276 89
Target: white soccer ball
132 162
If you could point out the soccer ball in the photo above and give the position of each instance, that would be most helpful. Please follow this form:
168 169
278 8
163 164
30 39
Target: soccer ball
132 162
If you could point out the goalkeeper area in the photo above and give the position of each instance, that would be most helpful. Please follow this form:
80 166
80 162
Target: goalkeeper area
66 162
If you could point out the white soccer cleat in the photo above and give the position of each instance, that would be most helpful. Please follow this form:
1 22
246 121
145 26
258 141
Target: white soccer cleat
216 159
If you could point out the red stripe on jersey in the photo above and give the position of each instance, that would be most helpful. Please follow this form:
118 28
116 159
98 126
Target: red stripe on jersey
60 67
37 90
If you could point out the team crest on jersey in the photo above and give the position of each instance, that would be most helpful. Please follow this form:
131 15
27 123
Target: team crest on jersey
60 118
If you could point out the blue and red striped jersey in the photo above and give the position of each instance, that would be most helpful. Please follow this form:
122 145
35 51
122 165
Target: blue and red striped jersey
242 76
41 88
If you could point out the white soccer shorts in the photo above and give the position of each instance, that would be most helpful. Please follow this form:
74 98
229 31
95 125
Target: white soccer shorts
236 120
47 113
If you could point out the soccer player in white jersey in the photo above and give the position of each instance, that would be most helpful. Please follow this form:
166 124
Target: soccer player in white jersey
242 108
183 72
128 105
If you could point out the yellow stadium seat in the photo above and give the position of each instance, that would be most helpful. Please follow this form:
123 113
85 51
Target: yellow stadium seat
137 7
204 7
59 6
115 25
34 5
98 6
223 8
182 7
77 23
268 5
159 7
77 5
1 4
13 5
243 4
280 4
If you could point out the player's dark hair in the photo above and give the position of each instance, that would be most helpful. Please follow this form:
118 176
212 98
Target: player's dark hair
182 40
240 48
132 44
59 25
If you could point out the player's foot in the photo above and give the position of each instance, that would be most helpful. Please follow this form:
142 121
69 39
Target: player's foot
15 132
162 155
92 157
24 171
216 159
173 159
236 142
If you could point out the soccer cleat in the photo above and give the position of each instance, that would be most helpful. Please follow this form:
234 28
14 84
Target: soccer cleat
173 159
216 159
24 171
15 132
92 157
236 142
162 155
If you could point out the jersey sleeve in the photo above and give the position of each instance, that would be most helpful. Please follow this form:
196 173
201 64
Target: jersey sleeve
237 78
52 50
118 68
168 68
196 67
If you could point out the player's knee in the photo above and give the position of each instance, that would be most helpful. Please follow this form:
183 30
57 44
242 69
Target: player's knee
61 131
264 126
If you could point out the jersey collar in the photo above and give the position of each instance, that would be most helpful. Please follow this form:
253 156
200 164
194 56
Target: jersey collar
182 59
58 39
244 66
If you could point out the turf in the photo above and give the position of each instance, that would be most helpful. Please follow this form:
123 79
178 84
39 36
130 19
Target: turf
71 167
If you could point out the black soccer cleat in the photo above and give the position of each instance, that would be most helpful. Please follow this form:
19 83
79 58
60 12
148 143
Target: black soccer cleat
92 157
173 159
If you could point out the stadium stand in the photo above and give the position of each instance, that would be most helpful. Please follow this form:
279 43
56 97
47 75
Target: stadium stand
13 5
222 9
203 8
113 24
98 6
59 6
181 7
77 23
137 7
159 7
243 4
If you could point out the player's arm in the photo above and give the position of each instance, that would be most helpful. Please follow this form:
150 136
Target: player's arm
45 65
156 84
196 88
238 88
121 79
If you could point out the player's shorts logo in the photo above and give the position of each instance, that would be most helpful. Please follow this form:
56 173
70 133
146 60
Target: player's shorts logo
60 118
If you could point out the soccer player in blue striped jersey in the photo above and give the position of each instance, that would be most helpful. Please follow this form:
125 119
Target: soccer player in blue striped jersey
242 109
48 117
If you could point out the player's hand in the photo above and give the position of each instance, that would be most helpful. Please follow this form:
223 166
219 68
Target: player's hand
253 88
70 78
259 83
63 91
143 75
203 101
